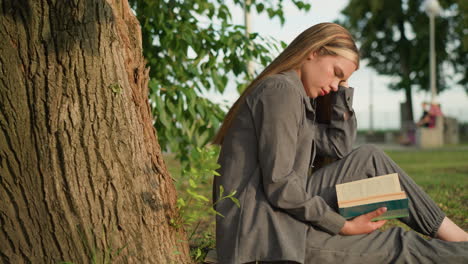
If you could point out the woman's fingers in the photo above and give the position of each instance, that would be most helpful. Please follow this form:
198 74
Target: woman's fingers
363 224
343 83
371 215
379 224
375 213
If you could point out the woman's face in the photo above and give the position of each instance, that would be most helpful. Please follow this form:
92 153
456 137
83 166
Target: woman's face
321 75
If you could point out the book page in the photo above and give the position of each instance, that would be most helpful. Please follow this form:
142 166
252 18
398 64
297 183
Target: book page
368 187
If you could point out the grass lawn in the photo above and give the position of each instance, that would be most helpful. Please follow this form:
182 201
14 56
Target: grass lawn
442 173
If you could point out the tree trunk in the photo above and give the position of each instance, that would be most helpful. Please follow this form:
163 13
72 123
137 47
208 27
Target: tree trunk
82 175
405 47
409 102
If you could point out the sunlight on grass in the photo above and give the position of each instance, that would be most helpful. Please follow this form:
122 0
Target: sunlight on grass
443 174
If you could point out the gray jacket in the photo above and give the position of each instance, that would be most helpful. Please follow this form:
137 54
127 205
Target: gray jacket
265 157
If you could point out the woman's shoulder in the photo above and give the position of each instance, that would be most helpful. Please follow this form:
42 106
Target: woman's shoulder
279 84
282 80
277 96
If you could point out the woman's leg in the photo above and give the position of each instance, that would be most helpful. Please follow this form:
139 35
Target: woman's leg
368 161
449 231
391 246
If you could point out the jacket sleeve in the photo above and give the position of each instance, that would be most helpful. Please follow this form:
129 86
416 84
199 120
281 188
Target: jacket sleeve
336 139
277 115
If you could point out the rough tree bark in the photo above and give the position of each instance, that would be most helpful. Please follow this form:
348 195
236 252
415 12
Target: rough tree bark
82 174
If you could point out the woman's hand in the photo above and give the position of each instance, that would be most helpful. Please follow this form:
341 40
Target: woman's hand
343 83
362 224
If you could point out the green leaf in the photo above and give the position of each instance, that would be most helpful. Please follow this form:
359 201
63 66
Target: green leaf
221 191
235 200
218 213
197 196
260 7
198 253
192 183
116 88
181 202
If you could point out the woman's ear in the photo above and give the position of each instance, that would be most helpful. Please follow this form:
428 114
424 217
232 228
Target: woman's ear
312 55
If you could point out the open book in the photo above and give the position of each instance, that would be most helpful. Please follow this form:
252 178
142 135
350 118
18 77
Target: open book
364 196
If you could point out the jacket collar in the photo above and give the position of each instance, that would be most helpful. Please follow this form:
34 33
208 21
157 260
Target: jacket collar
294 78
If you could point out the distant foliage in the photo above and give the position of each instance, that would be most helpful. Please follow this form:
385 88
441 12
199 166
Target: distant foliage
193 47
196 208
394 38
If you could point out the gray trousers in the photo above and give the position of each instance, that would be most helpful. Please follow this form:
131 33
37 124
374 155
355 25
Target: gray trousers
391 246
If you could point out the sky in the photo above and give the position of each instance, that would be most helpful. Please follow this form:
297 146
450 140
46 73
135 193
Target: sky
385 103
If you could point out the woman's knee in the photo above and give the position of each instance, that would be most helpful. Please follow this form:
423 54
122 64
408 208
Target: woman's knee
371 150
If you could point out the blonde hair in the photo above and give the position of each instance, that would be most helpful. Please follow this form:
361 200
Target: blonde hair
324 39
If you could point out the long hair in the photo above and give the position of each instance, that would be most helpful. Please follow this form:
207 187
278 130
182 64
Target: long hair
324 39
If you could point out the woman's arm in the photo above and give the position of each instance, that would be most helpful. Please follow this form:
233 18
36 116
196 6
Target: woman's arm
336 138
278 114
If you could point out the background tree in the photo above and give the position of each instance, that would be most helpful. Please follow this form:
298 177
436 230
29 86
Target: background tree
193 47
82 176
394 38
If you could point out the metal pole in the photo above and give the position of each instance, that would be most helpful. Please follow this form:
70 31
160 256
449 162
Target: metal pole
246 17
371 106
250 66
432 56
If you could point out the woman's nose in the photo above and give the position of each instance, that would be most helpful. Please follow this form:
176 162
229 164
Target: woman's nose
334 85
